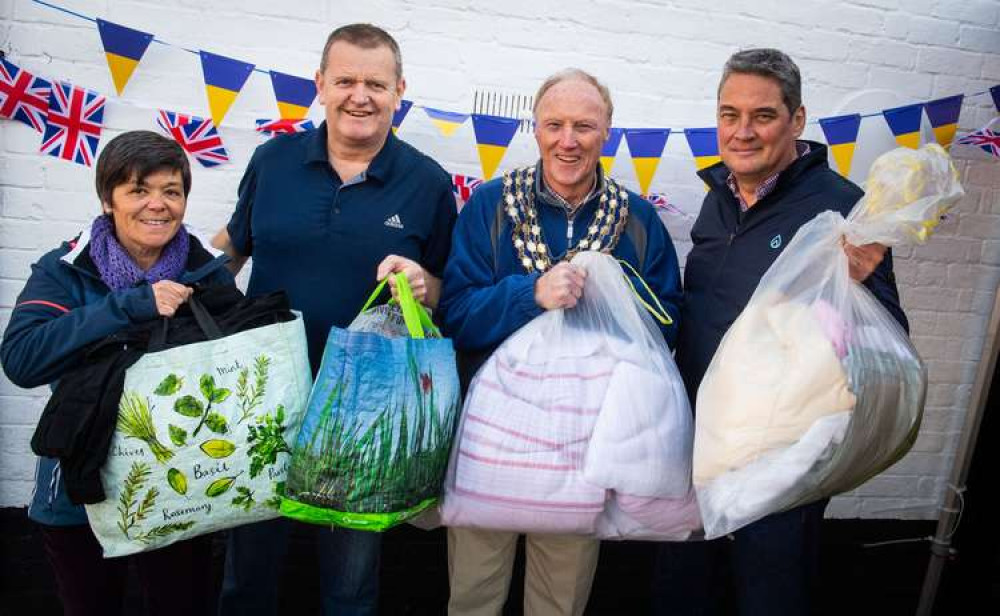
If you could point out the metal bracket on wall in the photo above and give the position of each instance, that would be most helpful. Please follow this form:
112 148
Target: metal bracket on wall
488 101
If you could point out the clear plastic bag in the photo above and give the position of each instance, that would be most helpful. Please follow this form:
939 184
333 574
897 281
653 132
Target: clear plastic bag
576 408
384 320
815 388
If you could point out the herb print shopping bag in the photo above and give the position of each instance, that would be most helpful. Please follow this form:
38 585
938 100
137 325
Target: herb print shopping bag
203 437
374 443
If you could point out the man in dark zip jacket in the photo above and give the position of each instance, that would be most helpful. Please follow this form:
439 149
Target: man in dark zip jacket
767 186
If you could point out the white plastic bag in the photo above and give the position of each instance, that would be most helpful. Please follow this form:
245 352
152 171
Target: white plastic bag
816 388
575 407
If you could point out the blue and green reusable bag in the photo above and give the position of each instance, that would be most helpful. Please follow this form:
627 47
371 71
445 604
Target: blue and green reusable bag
375 440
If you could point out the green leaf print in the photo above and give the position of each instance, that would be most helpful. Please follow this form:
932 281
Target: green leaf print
178 436
218 448
188 406
207 386
220 486
169 386
177 481
217 423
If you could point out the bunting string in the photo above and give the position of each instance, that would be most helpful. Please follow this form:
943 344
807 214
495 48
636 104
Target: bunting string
70 118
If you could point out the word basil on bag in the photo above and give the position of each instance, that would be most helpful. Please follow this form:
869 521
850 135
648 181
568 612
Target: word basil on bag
203 437
374 443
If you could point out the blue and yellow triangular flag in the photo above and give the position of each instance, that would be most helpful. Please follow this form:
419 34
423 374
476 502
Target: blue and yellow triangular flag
294 95
943 115
842 135
995 93
123 48
224 78
610 149
493 135
400 114
646 146
446 121
704 144
904 122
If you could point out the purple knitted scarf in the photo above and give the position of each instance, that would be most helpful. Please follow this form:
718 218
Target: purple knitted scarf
117 268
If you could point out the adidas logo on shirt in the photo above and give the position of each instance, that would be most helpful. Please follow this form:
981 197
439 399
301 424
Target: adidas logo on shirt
394 222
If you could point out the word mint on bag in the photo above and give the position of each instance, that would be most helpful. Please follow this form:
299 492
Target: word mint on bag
203 438
374 444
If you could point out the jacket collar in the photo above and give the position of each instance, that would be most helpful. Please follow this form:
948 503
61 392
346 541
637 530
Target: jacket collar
200 263
378 169
543 194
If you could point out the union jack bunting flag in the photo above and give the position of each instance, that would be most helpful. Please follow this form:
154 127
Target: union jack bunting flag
23 97
198 137
462 186
278 127
661 204
73 123
985 138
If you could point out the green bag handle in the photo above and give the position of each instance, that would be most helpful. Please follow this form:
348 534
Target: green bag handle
418 322
661 314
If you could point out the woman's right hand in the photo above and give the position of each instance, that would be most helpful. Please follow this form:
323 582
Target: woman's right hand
169 295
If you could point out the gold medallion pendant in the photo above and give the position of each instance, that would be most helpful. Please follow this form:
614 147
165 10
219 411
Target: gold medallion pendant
519 202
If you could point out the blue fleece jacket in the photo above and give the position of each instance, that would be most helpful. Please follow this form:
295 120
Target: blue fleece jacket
486 297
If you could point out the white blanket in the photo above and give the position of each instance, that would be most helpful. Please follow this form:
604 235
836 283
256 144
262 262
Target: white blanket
774 375
636 447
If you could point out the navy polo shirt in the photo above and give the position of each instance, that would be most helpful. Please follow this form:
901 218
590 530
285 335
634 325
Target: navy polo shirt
321 239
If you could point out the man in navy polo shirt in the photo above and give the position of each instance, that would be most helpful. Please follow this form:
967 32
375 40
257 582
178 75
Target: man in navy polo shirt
325 214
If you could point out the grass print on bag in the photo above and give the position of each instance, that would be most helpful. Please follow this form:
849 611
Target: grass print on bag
379 424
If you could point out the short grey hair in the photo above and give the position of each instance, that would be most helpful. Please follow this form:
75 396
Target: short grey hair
574 74
365 36
770 63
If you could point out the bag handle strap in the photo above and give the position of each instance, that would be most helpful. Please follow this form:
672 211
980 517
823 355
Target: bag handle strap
374 296
660 315
204 319
418 322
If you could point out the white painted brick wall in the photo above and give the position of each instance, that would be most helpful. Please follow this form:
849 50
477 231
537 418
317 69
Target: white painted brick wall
662 62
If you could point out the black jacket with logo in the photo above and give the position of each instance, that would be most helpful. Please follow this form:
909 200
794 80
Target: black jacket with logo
732 251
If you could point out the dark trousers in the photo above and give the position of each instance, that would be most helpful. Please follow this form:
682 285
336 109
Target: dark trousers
255 555
173 580
774 565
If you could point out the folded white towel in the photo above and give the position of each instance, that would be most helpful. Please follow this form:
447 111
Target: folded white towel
641 443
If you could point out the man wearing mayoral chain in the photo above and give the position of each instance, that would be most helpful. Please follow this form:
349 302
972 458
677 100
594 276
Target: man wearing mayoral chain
510 263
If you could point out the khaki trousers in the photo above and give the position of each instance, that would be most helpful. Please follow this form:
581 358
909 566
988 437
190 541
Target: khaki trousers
558 574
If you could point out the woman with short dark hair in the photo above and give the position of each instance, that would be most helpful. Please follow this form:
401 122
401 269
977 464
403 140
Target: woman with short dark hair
133 264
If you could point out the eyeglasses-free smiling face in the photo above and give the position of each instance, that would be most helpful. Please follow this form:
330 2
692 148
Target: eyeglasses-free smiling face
360 92
148 213
757 132
571 126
